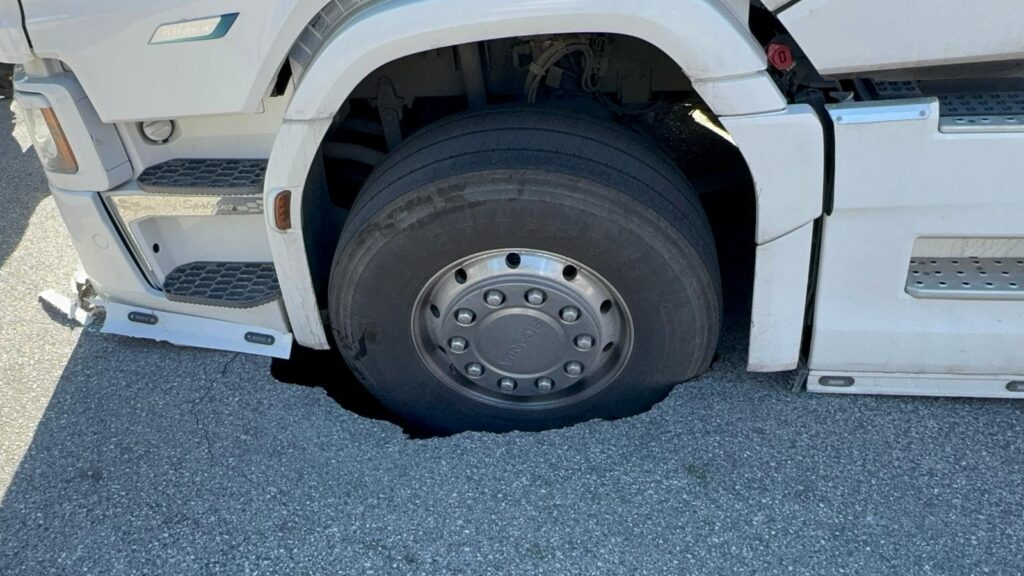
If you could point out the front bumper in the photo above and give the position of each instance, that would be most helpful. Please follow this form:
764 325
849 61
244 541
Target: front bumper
122 300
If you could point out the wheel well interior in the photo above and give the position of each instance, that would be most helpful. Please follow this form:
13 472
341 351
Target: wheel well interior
619 78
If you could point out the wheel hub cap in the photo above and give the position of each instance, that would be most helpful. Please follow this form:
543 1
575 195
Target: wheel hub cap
521 328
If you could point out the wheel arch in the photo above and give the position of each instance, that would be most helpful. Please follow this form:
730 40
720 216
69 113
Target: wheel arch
706 38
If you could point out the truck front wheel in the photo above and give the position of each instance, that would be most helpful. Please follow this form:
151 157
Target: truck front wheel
524 269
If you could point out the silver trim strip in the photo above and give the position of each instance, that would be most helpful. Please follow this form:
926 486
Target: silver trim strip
881 111
952 385
133 207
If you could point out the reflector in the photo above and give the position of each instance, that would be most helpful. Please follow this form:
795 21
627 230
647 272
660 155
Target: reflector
194 30
283 210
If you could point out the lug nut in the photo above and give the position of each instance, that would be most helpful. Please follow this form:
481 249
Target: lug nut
474 370
574 369
507 384
536 297
465 316
458 344
570 314
584 342
545 385
494 298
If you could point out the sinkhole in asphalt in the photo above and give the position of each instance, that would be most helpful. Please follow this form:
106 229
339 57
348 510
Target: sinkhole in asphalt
325 369
732 217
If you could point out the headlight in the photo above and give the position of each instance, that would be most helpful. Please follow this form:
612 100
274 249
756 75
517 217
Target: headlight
78 151
49 141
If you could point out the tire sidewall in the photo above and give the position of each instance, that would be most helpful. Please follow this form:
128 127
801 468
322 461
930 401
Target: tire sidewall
385 260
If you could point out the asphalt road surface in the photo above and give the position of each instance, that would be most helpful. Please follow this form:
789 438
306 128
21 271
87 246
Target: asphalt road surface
120 456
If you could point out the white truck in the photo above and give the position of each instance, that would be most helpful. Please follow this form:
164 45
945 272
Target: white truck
476 199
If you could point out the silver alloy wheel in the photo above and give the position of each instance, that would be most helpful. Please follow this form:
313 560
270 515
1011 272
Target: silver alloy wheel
522 329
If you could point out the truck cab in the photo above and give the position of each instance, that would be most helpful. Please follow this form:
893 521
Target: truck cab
496 213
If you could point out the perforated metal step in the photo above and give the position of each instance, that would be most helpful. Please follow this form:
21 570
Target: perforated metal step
966 278
993 111
205 176
985 112
982 104
223 284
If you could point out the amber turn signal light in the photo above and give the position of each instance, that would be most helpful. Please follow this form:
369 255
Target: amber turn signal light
283 210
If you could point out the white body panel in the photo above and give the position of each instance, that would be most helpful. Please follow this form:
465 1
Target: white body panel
107 45
14 47
224 136
780 301
741 95
899 179
785 152
848 36
741 8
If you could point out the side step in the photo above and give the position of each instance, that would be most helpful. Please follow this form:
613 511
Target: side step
961 109
203 190
966 278
205 176
985 112
223 284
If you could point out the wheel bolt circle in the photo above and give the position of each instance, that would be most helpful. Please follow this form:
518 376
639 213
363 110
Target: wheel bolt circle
573 368
584 342
536 297
458 344
465 316
472 334
569 314
494 298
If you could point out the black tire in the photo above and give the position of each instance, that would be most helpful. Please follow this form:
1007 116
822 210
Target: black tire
526 178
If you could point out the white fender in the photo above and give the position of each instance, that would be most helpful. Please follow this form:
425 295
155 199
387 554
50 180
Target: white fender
705 37
702 36
785 152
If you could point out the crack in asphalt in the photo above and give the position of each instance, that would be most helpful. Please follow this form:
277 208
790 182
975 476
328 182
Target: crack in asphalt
204 429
